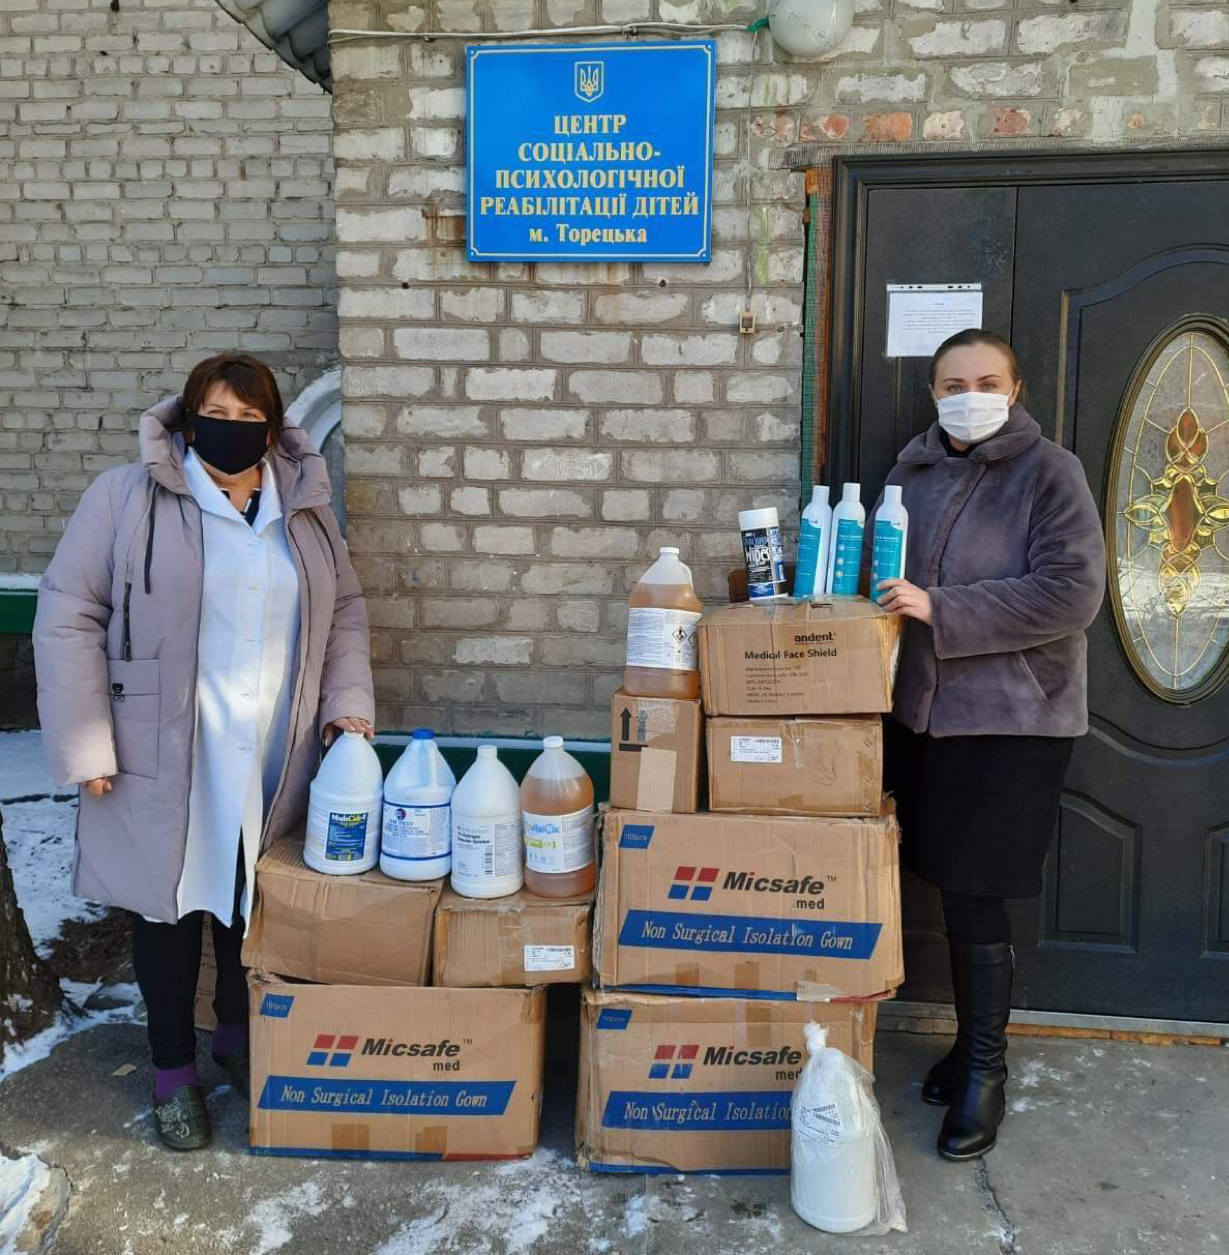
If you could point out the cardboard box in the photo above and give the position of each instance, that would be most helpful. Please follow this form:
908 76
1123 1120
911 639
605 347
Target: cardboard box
656 745
795 658
339 930
362 1071
796 766
519 940
682 1084
782 905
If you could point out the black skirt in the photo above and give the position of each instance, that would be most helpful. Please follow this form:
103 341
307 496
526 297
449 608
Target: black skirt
977 813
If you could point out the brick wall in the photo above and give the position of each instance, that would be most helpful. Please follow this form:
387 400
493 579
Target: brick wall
521 439
165 193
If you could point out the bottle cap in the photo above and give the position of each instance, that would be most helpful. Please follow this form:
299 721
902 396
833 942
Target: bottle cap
891 494
486 751
766 517
819 494
552 743
423 734
851 492
668 549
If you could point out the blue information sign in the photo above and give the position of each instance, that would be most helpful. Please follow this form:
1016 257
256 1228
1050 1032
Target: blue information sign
591 152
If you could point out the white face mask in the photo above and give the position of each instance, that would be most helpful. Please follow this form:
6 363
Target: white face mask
971 417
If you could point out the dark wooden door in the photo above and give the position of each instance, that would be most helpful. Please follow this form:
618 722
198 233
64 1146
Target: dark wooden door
1111 277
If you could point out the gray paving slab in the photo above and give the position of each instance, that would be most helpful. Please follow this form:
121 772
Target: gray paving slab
1110 1149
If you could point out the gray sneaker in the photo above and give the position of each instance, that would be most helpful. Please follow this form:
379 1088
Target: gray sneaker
182 1120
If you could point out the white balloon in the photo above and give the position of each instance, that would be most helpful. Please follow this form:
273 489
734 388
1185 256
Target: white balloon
809 28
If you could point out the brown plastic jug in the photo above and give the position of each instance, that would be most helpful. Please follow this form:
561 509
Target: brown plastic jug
557 810
663 614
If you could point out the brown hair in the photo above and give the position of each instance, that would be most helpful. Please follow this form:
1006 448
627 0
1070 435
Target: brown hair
975 335
247 377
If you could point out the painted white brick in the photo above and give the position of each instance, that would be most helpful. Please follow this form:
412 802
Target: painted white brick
498 650
470 500
582 465
630 387
444 422
684 505
472 304
971 38
997 80
387 381
437 104
421 499
382 144
655 426
638 309
610 347
574 578
548 307
594 542
900 87
1200 28
1212 74
487 463
760 386
511 541
537 425
442 344
710 349
1048 32
545 503
362 226
389 304
626 505
510 384
673 467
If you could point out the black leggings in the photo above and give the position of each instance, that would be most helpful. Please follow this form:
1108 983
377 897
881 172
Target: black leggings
167 961
975 920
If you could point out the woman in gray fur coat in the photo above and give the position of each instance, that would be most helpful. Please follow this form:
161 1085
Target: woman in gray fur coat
1005 569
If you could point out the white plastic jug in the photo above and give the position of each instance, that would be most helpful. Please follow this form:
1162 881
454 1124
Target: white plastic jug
416 834
343 811
557 807
488 855
833 1182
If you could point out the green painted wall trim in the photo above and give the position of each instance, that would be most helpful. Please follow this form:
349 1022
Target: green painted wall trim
17 606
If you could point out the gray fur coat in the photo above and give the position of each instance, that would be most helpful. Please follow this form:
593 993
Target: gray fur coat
1009 544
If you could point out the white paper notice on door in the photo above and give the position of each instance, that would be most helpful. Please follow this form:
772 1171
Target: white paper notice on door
922 315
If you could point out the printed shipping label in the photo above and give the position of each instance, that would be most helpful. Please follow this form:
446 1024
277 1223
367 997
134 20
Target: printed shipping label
550 958
755 749
559 843
664 639
481 850
848 563
822 1124
346 838
416 833
887 554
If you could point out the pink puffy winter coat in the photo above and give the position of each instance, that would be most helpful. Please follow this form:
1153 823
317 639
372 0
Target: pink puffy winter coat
115 642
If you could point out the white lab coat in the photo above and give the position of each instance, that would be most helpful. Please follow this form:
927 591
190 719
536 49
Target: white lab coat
247 656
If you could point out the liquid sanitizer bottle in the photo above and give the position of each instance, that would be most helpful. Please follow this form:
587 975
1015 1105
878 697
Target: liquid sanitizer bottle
416 838
813 544
845 558
661 631
889 540
488 858
557 807
343 810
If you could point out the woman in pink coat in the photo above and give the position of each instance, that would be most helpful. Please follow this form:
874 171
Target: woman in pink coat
200 631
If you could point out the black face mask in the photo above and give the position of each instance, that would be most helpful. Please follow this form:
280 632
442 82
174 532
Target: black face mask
228 444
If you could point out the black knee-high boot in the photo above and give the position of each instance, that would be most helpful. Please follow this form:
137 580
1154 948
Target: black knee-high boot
981 981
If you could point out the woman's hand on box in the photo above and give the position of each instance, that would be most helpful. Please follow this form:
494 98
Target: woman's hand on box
901 597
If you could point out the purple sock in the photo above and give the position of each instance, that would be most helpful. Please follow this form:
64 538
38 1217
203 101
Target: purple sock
227 1038
168 1080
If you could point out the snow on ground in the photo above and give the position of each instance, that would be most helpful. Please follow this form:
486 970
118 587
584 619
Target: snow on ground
129 1009
39 836
23 768
22 1183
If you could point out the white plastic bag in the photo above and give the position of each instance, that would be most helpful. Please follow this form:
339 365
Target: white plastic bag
842 1178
